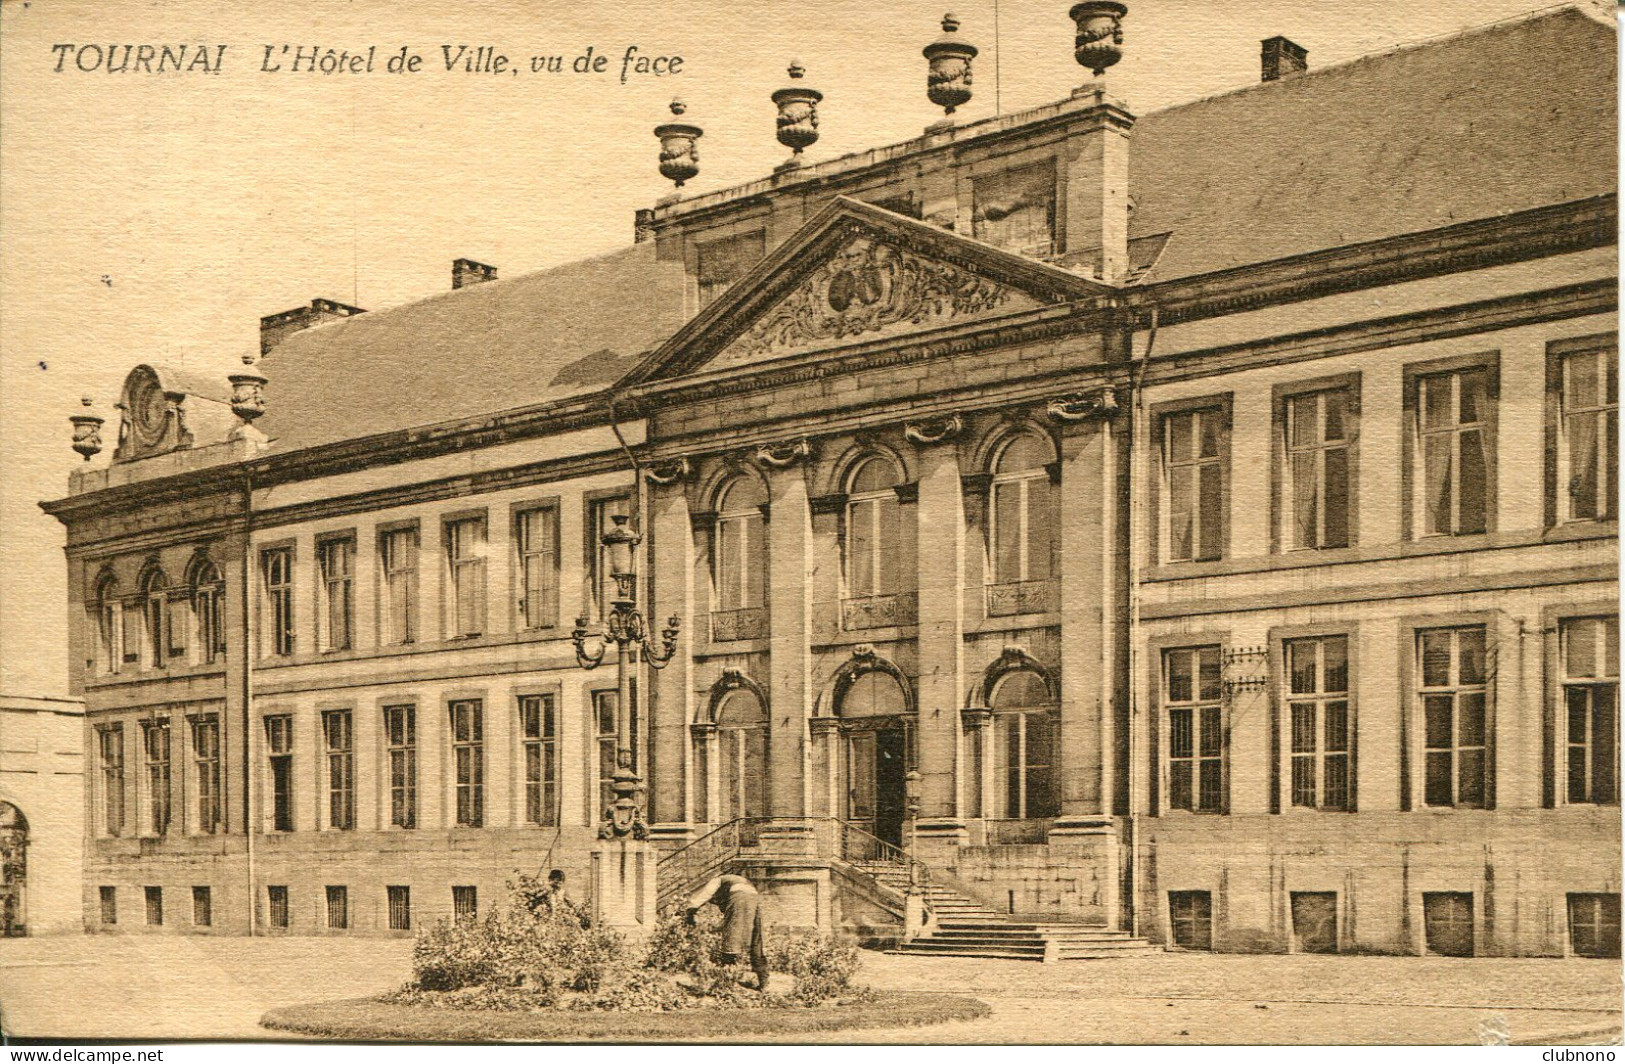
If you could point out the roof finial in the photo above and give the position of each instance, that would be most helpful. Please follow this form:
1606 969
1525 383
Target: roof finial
947 81
87 430
1099 43
679 158
248 399
798 115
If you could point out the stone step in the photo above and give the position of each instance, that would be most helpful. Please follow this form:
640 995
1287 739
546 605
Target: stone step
950 949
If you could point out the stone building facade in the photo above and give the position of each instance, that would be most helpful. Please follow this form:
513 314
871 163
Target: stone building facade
1218 545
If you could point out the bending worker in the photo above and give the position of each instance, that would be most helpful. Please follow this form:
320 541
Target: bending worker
741 921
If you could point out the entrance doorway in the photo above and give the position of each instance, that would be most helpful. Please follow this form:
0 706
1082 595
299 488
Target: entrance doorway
877 769
877 719
13 871
1314 921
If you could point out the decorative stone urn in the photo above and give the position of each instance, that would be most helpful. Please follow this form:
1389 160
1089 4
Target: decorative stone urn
798 114
248 391
947 81
679 158
1099 42
87 431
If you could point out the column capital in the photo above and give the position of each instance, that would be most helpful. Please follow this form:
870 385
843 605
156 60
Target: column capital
931 431
1076 408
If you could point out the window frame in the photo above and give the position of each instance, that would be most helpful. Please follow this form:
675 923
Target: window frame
1162 746
1558 474
112 779
456 569
338 768
546 513
1562 768
1282 493
278 737
596 510
1159 530
209 613
157 778
280 622
752 555
1282 797
335 592
1021 480
468 803
206 781
878 499
1021 715
1416 693
403 632
1413 475
402 791
540 798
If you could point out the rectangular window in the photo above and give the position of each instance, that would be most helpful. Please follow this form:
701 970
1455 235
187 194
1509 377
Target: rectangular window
155 742
157 610
468 756
400 734
155 906
1314 921
1590 675
209 603
722 262
131 629
276 899
279 751
465 565
1192 702
340 743
336 559
1316 481
603 704
398 556
110 746
107 629
276 567
602 513
1023 753
1594 925
1195 450
1588 424
338 908
1015 209
1190 919
1454 452
206 762
536 544
464 904
538 729
1454 700
400 908
202 907
176 625
109 900
1447 922
1319 722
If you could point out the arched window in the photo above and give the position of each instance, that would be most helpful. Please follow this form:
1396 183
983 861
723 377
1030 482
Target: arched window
741 755
109 611
878 726
209 611
874 556
1021 533
739 550
1024 747
155 599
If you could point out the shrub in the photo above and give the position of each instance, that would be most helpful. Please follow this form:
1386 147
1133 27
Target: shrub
822 967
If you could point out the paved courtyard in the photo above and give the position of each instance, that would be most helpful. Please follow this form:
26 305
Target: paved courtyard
87 987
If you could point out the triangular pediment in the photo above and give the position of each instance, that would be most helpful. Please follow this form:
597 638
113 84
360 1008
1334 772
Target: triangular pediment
857 274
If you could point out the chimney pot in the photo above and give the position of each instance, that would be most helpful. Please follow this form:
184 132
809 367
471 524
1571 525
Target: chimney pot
465 272
1283 58
274 328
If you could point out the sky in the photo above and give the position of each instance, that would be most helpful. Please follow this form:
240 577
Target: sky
148 217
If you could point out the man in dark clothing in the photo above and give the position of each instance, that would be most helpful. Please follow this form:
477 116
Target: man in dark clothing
741 921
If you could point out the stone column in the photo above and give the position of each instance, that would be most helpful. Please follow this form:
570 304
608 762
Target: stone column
790 611
940 531
1089 616
671 709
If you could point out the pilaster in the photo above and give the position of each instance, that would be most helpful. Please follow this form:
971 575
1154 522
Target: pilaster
940 533
671 710
790 612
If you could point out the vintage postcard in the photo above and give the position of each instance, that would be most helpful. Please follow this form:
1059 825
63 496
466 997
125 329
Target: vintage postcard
1050 523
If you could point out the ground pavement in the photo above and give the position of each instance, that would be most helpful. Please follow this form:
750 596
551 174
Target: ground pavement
79 987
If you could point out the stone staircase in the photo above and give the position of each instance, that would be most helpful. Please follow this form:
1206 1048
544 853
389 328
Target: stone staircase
966 928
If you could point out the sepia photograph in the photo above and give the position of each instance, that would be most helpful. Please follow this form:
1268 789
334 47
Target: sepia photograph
1055 522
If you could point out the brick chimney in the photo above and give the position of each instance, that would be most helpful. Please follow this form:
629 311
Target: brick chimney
274 328
1282 58
465 272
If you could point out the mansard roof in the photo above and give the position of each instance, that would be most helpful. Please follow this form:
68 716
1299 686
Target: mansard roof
1501 119
529 340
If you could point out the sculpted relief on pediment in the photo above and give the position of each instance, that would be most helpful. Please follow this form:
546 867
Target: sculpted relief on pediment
865 290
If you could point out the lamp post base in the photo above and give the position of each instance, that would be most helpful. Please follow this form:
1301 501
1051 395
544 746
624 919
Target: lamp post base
624 886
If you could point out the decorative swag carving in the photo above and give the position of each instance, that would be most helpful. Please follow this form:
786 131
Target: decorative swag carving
865 287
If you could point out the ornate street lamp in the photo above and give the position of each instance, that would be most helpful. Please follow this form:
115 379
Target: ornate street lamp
624 627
